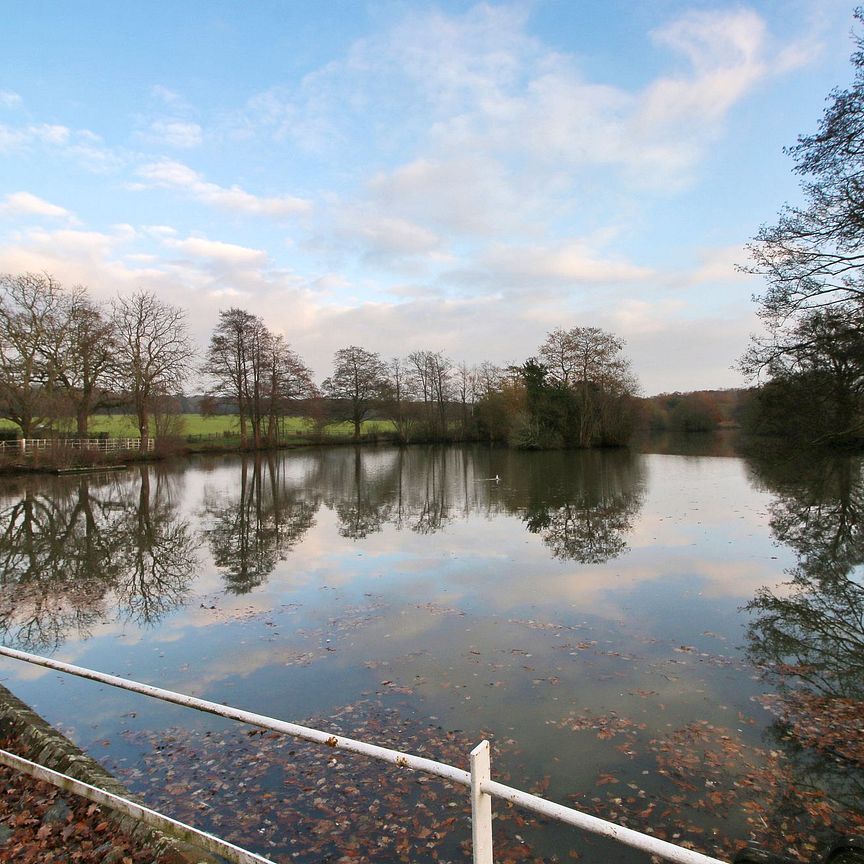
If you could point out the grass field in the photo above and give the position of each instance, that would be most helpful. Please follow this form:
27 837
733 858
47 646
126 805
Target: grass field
125 426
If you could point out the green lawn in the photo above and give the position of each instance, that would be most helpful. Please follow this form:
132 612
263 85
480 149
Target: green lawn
125 426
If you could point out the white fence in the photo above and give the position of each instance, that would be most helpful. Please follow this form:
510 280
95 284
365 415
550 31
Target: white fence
100 445
482 788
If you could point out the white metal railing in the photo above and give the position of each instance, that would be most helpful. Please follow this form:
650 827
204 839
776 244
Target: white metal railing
478 780
101 445
130 808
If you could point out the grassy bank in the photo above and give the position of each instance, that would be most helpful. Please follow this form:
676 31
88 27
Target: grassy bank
195 426
191 433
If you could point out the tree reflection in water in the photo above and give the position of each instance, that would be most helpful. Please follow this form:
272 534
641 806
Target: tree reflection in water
814 627
808 634
362 508
403 488
587 520
159 564
252 531
73 556
582 503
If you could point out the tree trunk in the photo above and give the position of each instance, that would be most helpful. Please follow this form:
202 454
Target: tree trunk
241 407
144 428
82 418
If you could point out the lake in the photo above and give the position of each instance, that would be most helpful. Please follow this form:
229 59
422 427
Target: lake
660 639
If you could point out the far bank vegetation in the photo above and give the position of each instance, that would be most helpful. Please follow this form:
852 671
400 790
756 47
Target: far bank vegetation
65 358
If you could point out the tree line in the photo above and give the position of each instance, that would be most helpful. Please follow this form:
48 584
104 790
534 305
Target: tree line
578 391
64 356
810 360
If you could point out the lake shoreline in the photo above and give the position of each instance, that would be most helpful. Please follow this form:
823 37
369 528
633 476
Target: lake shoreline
47 462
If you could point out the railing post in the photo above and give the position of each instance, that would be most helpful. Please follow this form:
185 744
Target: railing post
481 805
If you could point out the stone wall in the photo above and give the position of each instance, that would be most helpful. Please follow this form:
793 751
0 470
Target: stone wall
47 747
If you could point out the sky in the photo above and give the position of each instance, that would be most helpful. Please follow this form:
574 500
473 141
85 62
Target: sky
452 176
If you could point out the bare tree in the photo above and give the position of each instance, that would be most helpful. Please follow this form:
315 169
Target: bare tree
30 322
590 363
441 374
402 392
487 378
287 380
258 371
154 352
420 374
82 351
466 387
560 355
257 350
228 362
813 256
360 380
431 373
584 355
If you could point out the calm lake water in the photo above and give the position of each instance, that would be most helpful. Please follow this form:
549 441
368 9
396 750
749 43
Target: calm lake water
587 612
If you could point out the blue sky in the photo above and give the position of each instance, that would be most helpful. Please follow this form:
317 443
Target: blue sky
402 175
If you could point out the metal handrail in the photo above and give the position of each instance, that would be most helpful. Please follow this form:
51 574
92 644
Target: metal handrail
478 780
130 808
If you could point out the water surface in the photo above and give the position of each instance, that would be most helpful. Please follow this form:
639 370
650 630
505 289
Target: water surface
585 612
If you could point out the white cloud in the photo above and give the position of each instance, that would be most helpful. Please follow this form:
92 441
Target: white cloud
477 83
721 266
715 39
81 145
170 121
166 95
12 137
643 317
27 204
160 230
382 239
92 258
726 51
729 53
690 352
330 282
570 262
200 276
215 250
456 194
9 99
182 134
499 136
168 174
